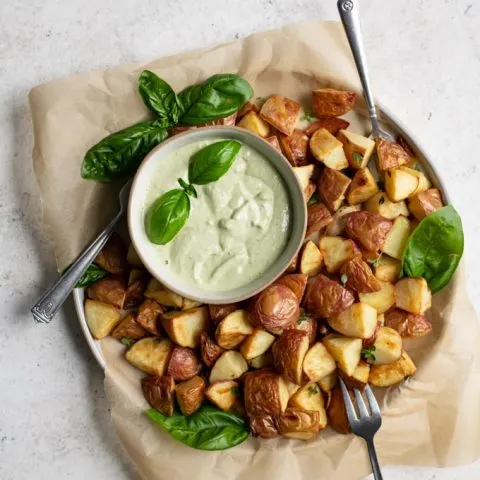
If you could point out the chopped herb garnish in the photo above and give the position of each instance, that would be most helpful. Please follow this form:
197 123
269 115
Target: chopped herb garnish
312 390
417 167
313 200
235 391
303 318
369 353
344 278
357 157
309 117
127 341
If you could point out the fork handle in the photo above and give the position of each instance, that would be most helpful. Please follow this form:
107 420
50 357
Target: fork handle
46 307
377 474
350 16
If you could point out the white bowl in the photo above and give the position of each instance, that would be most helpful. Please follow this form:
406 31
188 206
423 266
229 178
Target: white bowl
145 249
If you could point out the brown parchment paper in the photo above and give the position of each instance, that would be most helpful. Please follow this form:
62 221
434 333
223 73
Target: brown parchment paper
432 420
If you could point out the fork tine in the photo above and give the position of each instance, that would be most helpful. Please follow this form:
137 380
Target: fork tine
362 408
351 414
372 401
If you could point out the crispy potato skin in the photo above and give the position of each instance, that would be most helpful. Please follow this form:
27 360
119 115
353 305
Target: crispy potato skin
226 121
149 314
219 312
172 131
113 257
288 352
274 309
297 423
333 125
183 364
336 412
109 290
390 155
190 395
248 107
281 112
359 276
273 141
325 297
332 187
328 102
368 342
368 229
307 323
425 203
263 426
159 392
295 148
261 393
318 218
209 350
134 294
408 325
129 328
296 282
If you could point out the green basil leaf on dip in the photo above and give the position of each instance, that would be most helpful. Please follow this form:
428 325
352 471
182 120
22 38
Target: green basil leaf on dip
207 429
119 154
213 161
166 216
434 248
159 97
218 97
91 275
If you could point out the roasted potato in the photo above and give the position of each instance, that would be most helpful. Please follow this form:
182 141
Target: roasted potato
328 149
423 182
295 148
359 320
359 378
265 360
309 191
381 204
227 121
408 325
281 112
288 354
273 141
362 188
112 257
128 328
248 107
209 350
159 392
163 295
425 203
256 344
381 300
345 350
263 426
336 412
397 238
188 304
223 394
325 297
137 282
291 387
151 355
253 122
400 183
328 381
311 259
318 363
229 366
387 347
368 229
333 125
101 318
292 268
185 327
392 373
304 174
132 257
358 276
336 251
265 393
219 312
274 309
318 218
149 314
337 227
172 131
308 324
368 342
332 187
109 290
299 424
190 395
296 282
183 364
329 102
413 295
358 149
387 269
390 155
308 397
233 329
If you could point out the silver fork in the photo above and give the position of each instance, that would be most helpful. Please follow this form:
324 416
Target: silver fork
350 16
46 307
367 424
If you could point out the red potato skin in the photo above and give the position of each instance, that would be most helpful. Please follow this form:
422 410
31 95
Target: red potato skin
190 395
333 125
284 351
261 393
273 141
336 412
318 218
247 108
183 364
307 323
296 282
149 314
159 393
111 290
128 328
226 121
134 295
295 148
209 350
332 104
275 309
360 276
325 297
263 426
368 229
408 325
113 257
368 342
298 420
219 312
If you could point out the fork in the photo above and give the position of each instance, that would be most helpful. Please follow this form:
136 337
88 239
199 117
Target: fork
46 307
350 16
367 424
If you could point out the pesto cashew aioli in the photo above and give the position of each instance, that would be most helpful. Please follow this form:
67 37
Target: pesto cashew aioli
238 226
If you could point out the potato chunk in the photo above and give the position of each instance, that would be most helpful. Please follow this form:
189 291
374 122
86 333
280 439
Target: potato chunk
149 314
332 187
288 354
329 102
273 141
423 182
400 184
309 397
185 328
425 203
263 426
256 344
367 229
388 346
328 149
264 360
359 378
163 295
392 373
223 394
252 121
387 269
209 350
151 355
318 218
397 238
183 364
318 362
219 312
303 175
390 155
101 318
358 149
311 259
381 300
362 188
159 392
345 350
413 295
336 412
111 290
112 257
281 112
408 325
336 251
358 276
359 320
328 381
307 323
381 204
333 125
190 395
337 227
265 393
229 366
295 148
299 424
296 282
233 329
129 329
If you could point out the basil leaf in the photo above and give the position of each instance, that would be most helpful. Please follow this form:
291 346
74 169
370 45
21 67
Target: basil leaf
187 188
119 154
313 200
434 249
159 97
91 275
207 429
166 216
219 96
213 161
369 353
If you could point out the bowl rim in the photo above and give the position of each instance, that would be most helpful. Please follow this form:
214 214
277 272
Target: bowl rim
298 223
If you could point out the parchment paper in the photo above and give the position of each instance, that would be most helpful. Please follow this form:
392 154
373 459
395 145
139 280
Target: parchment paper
433 419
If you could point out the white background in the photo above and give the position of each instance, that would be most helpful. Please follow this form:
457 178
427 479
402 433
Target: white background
424 58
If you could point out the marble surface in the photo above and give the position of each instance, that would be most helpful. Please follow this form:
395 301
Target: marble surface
424 58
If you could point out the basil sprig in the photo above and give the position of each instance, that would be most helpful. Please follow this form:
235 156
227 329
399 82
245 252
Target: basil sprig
168 214
91 275
119 154
207 429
